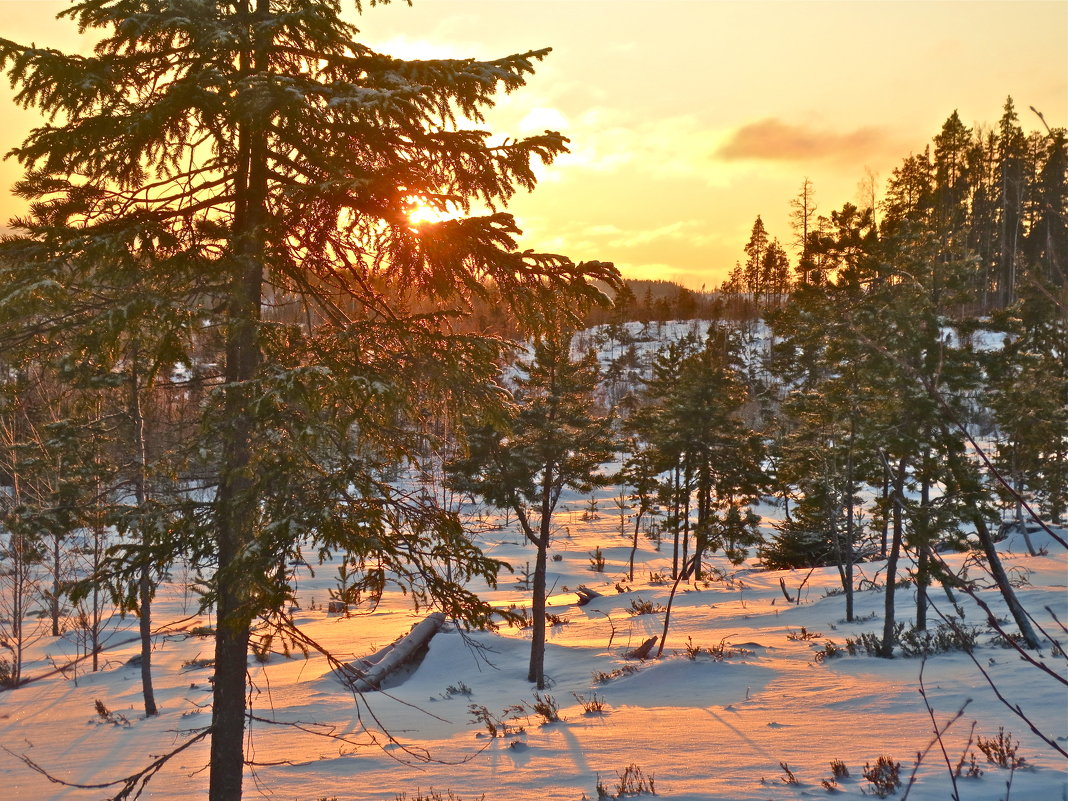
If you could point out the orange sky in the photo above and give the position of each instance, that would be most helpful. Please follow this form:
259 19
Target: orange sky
688 118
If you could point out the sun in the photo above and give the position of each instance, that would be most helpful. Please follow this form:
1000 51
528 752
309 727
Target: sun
420 213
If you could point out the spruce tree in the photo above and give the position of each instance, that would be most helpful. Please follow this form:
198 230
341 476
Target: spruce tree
251 156
554 439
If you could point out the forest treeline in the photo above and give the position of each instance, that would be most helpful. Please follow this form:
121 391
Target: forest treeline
989 199
899 390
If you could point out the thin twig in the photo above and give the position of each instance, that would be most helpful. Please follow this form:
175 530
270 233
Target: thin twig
135 783
938 733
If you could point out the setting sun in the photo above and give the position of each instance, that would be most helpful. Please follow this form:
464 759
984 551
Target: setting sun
420 213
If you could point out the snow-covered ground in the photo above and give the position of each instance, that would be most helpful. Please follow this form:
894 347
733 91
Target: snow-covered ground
704 728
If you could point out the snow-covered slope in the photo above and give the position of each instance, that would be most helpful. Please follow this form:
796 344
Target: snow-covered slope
703 728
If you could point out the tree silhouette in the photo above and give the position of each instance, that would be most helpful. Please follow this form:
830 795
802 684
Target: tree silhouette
255 166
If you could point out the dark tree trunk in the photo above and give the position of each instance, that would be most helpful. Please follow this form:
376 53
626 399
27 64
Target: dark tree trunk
974 513
923 561
886 650
536 673
144 586
676 514
54 595
235 500
850 525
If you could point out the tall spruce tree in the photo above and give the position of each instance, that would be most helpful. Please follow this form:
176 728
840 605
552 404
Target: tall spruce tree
242 155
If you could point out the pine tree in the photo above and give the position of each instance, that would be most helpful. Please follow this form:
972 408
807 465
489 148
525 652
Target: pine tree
245 156
553 440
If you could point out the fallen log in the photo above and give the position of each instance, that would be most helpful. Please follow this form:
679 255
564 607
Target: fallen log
642 651
370 672
585 594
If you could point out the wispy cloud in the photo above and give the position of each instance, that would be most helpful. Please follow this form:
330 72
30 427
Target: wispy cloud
775 140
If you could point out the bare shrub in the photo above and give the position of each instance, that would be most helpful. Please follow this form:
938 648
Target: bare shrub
632 781
640 606
497 725
1001 750
600 677
592 705
788 776
884 776
107 716
433 795
546 706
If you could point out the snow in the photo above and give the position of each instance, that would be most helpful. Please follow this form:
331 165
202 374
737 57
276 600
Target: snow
704 729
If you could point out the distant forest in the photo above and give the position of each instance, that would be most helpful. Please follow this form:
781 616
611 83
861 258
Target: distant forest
985 203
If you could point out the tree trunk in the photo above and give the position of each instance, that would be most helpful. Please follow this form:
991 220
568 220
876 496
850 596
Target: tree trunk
53 598
235 500
684 491
676 513
922 550
536 673
997 570
850 526
144 585
634 543
885 528
886 650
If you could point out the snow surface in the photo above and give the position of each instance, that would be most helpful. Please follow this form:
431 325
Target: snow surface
704 729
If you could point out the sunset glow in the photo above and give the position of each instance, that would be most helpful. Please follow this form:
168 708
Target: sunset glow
687 119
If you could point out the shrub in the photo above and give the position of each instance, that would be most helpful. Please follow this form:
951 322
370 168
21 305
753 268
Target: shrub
599 677
723 650
828 651
546 706
431 795
944 639
631 782
597 560
884 776
107 716
788 776
839 769
497 725
868 643
458 689
640 606
691 651
803 635
968 767
592 705
1001 750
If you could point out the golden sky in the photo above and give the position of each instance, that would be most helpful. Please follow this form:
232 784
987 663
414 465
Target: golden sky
688 118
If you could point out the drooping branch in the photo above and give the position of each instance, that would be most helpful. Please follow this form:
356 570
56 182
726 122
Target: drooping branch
133 784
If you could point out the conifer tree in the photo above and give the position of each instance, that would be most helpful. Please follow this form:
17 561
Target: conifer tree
240 156
554 439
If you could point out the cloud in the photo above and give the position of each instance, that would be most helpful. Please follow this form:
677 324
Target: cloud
771 139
